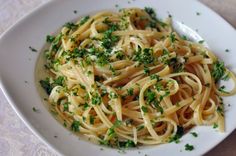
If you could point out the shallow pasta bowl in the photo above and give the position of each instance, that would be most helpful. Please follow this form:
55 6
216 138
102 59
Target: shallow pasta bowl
18 61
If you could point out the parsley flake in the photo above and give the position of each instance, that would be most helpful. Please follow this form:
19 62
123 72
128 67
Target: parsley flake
194 134
32 49
75 126
218 70
201 41
34 109
144 109
215 125
189 147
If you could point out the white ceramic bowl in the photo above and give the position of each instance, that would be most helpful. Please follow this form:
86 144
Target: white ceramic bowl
18 62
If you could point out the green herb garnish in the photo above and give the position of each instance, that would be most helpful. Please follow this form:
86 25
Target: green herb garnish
194 134
215 125
172 37
84 20
32 49
144 109
130 91
222 89
201 41
113 95
218 70
66 106
50 38
178 135
75 126
91 119
59 81
126 144
71 25
189 147
96 99
46 85
34 109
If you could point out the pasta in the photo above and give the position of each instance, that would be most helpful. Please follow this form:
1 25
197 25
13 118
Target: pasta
125 79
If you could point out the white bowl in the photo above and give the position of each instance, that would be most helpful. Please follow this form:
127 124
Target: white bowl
18 62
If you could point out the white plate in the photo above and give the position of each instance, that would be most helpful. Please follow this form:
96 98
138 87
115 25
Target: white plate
17 66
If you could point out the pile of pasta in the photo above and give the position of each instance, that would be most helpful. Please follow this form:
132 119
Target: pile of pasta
127 78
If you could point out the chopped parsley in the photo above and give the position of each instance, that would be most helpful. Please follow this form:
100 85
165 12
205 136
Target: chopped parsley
150 96
154 20
32 49
84 20
120 55
56 41
220 110
144 56
194 134
82 86
34 109
126 144
75 126
159 87
113 95
178 135
112 70
108 39
166 52
59 81
102 60
117 123
222 89
176 65
144 109
201 41
215 125
89 72
146 70
91 119
207 84
218 70
172 37
139 128
226 77
50 38
71 25
130 91
111 131
184 37
46 85
154 76
66 106
96 99
65 123
189 147
151 12
86 105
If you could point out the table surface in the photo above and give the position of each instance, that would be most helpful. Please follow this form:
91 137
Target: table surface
27 144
